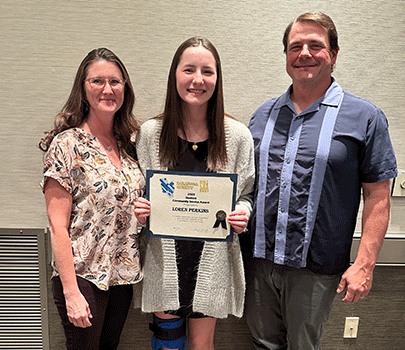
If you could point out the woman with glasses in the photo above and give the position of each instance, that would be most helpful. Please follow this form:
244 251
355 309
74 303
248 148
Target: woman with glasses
194 280
91 182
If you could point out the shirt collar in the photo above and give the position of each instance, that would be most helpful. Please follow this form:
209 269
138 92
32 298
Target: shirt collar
330 98
332 95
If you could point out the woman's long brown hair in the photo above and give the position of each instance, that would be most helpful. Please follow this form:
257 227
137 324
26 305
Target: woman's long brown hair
76 108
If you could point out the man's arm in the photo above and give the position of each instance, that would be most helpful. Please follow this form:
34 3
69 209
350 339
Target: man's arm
358 277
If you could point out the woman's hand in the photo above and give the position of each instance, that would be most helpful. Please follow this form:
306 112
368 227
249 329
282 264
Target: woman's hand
142 210
78 310
238 219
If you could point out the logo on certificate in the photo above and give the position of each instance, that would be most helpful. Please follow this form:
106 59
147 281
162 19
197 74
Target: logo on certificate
204 186
167 187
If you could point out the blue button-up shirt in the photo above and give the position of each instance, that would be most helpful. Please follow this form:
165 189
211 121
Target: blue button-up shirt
309 173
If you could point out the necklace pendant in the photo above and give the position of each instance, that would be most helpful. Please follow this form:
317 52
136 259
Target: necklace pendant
109 148
194 147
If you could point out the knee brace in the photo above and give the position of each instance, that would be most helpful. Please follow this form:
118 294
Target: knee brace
169 333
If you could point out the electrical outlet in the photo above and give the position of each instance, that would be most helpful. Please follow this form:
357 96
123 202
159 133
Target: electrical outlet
351 327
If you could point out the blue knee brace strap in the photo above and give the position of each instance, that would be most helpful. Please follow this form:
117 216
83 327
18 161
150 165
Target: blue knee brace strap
169 333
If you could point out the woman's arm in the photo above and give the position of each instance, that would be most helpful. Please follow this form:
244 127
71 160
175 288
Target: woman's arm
58 205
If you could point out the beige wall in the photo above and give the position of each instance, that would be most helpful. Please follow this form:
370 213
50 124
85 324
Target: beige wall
43 42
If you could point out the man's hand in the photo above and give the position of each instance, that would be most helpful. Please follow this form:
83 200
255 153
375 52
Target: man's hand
357 280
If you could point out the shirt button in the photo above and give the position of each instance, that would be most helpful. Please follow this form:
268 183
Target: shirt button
288 161
282 210
292 138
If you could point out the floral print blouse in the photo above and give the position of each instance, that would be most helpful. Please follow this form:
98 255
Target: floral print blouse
103 227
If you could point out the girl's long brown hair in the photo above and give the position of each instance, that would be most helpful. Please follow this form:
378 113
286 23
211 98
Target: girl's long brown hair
173 116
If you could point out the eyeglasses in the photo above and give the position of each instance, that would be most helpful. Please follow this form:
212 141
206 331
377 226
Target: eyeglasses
99 83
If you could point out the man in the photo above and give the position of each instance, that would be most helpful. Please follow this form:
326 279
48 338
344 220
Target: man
317 148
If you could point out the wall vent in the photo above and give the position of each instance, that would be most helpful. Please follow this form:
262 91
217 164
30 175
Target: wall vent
23 290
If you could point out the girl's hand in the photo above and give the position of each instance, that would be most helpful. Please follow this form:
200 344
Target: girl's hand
142 210
238 219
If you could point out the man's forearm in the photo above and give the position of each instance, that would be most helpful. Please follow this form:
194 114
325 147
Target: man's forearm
375 220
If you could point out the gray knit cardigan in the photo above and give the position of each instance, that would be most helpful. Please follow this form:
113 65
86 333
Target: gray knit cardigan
220 286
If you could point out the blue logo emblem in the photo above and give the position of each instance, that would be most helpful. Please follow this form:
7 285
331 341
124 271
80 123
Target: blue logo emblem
167 187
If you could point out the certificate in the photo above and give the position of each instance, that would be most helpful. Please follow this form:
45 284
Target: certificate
186 205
